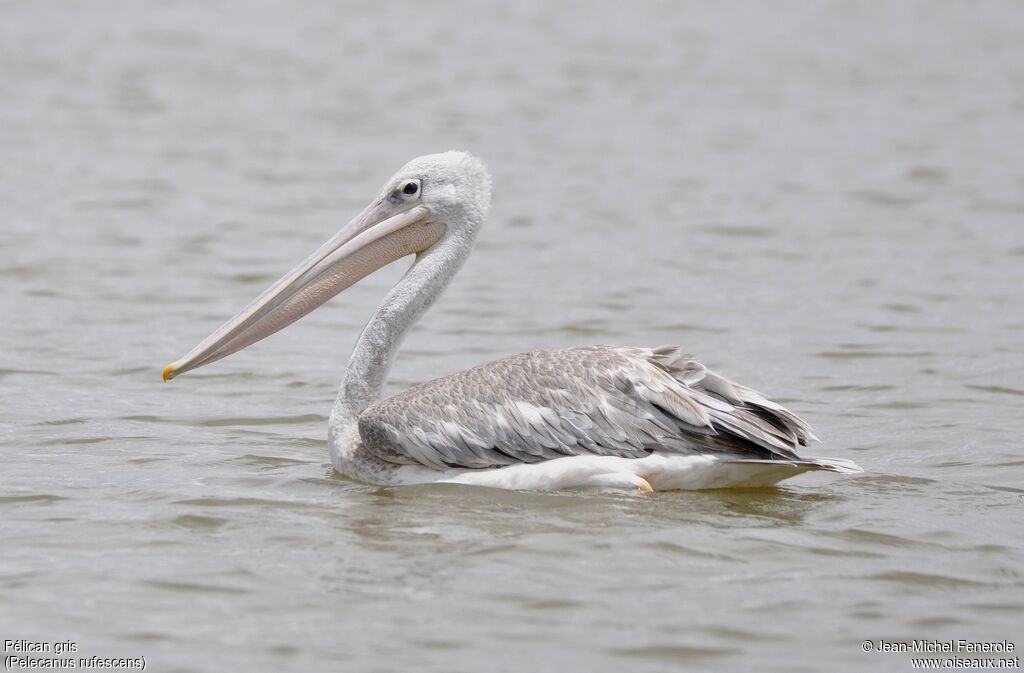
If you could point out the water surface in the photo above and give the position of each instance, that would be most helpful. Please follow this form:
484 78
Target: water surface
824 203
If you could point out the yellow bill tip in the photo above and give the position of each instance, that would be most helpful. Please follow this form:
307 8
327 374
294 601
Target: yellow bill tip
169 372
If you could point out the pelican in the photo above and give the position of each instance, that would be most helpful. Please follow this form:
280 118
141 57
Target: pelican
641 419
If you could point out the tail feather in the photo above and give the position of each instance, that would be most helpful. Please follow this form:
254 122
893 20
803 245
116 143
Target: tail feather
840 465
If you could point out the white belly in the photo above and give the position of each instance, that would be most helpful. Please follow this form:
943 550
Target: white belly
657 472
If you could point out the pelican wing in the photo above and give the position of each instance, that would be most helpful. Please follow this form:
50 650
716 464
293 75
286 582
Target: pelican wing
596 400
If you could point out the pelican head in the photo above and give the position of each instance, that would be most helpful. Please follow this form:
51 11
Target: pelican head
432 199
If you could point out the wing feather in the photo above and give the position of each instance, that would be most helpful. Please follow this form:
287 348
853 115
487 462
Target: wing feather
598 400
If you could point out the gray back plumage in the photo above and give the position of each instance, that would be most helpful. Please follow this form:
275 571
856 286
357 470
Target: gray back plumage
596 400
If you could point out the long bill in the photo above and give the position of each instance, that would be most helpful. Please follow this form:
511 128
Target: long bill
376 237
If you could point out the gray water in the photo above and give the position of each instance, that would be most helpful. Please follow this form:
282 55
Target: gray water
823 202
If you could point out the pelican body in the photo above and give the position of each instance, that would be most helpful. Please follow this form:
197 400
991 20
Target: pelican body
642 419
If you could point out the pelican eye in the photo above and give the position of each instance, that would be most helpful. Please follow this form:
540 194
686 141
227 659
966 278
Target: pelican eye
411 187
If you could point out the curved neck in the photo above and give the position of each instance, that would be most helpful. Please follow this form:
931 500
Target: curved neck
375 351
